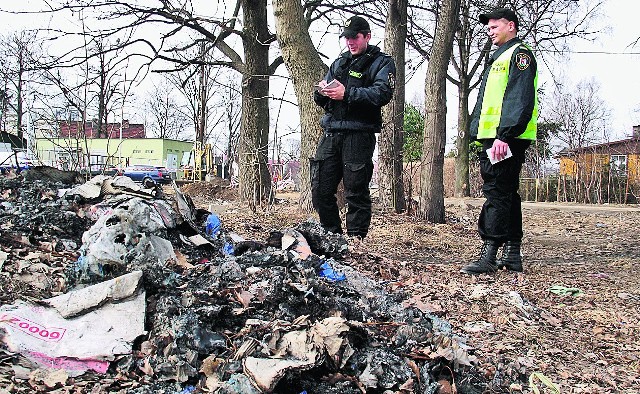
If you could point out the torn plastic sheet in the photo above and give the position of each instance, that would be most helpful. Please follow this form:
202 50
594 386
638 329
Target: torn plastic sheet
109 316
294 238
128 223
101 185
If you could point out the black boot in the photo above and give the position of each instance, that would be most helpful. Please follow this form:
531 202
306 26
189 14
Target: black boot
487 261
511 258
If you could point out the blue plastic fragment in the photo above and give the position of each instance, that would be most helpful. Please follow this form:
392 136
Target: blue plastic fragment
326 271
81 264
227 248
213 225
188 390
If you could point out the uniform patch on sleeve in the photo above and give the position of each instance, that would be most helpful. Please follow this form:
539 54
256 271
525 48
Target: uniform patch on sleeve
523 61
392 81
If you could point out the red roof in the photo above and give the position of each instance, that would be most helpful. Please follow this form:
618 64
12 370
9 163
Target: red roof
111 130
622 147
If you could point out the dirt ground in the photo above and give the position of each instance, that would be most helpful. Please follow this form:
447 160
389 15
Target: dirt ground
572 319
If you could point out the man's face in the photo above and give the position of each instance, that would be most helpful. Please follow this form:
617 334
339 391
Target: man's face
500 31
358 44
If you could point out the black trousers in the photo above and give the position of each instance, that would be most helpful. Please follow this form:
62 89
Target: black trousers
345 156
501 216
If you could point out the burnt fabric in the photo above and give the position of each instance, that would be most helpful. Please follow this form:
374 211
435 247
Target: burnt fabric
501 215
347 156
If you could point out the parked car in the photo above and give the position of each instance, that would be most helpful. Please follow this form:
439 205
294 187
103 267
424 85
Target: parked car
148 175
100 169
8 161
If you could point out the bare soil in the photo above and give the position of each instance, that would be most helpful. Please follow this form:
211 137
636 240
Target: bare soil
583 341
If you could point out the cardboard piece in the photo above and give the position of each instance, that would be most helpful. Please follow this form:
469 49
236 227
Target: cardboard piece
102 321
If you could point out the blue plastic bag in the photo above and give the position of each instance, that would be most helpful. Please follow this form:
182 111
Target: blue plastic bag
326 271
213 225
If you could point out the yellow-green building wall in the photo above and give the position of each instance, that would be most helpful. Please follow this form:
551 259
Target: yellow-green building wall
113 152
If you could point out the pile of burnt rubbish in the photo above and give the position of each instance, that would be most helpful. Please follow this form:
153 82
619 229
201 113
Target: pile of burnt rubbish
109 287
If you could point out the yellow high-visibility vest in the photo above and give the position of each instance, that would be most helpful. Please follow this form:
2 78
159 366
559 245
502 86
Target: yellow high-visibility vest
494 95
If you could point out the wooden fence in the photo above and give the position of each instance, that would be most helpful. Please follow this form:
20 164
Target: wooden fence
594 190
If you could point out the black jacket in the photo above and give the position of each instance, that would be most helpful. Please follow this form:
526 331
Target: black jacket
519 98
369 81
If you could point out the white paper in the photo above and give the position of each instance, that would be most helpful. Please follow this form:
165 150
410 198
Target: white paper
330 85
493 161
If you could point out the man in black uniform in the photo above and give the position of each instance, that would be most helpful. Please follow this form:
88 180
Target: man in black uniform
504 120
352 94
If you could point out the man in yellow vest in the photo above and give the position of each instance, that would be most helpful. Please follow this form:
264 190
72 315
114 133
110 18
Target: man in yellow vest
504 121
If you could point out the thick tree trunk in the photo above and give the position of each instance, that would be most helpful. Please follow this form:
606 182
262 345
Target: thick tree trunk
462 142
390 184
468 61
431 179
254 179
306 69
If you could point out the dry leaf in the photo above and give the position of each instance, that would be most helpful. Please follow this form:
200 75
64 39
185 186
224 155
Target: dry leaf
244 297
551 319
55 378
146 368
445 387
181 260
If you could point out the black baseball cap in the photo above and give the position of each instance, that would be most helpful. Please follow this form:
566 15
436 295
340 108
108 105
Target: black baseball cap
500 13
355 25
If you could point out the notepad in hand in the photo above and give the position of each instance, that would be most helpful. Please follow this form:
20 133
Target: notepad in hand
329 85
494 161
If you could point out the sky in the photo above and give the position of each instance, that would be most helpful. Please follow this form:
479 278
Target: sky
614 64
610 61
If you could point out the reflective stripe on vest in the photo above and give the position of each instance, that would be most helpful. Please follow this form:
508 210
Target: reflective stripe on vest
494 95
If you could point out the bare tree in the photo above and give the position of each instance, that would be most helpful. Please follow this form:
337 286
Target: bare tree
16 60
168 119
306 69
391 187
548 25
580 114
130 23
431 179
105 80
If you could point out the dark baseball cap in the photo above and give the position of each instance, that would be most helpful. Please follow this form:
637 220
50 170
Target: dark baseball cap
355 25
500 13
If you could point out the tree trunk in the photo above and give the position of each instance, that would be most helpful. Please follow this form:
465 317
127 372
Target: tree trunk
254 179
467 61
390 184
19 94
431 179
462 188
306 69
202 100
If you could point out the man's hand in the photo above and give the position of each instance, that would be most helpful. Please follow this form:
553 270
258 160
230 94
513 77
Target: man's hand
336 92
498 150
321 85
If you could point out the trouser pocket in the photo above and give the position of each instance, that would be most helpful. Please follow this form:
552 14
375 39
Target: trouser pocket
314 173
357 176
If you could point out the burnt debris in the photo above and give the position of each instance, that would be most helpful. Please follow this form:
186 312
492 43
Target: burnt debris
223 314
